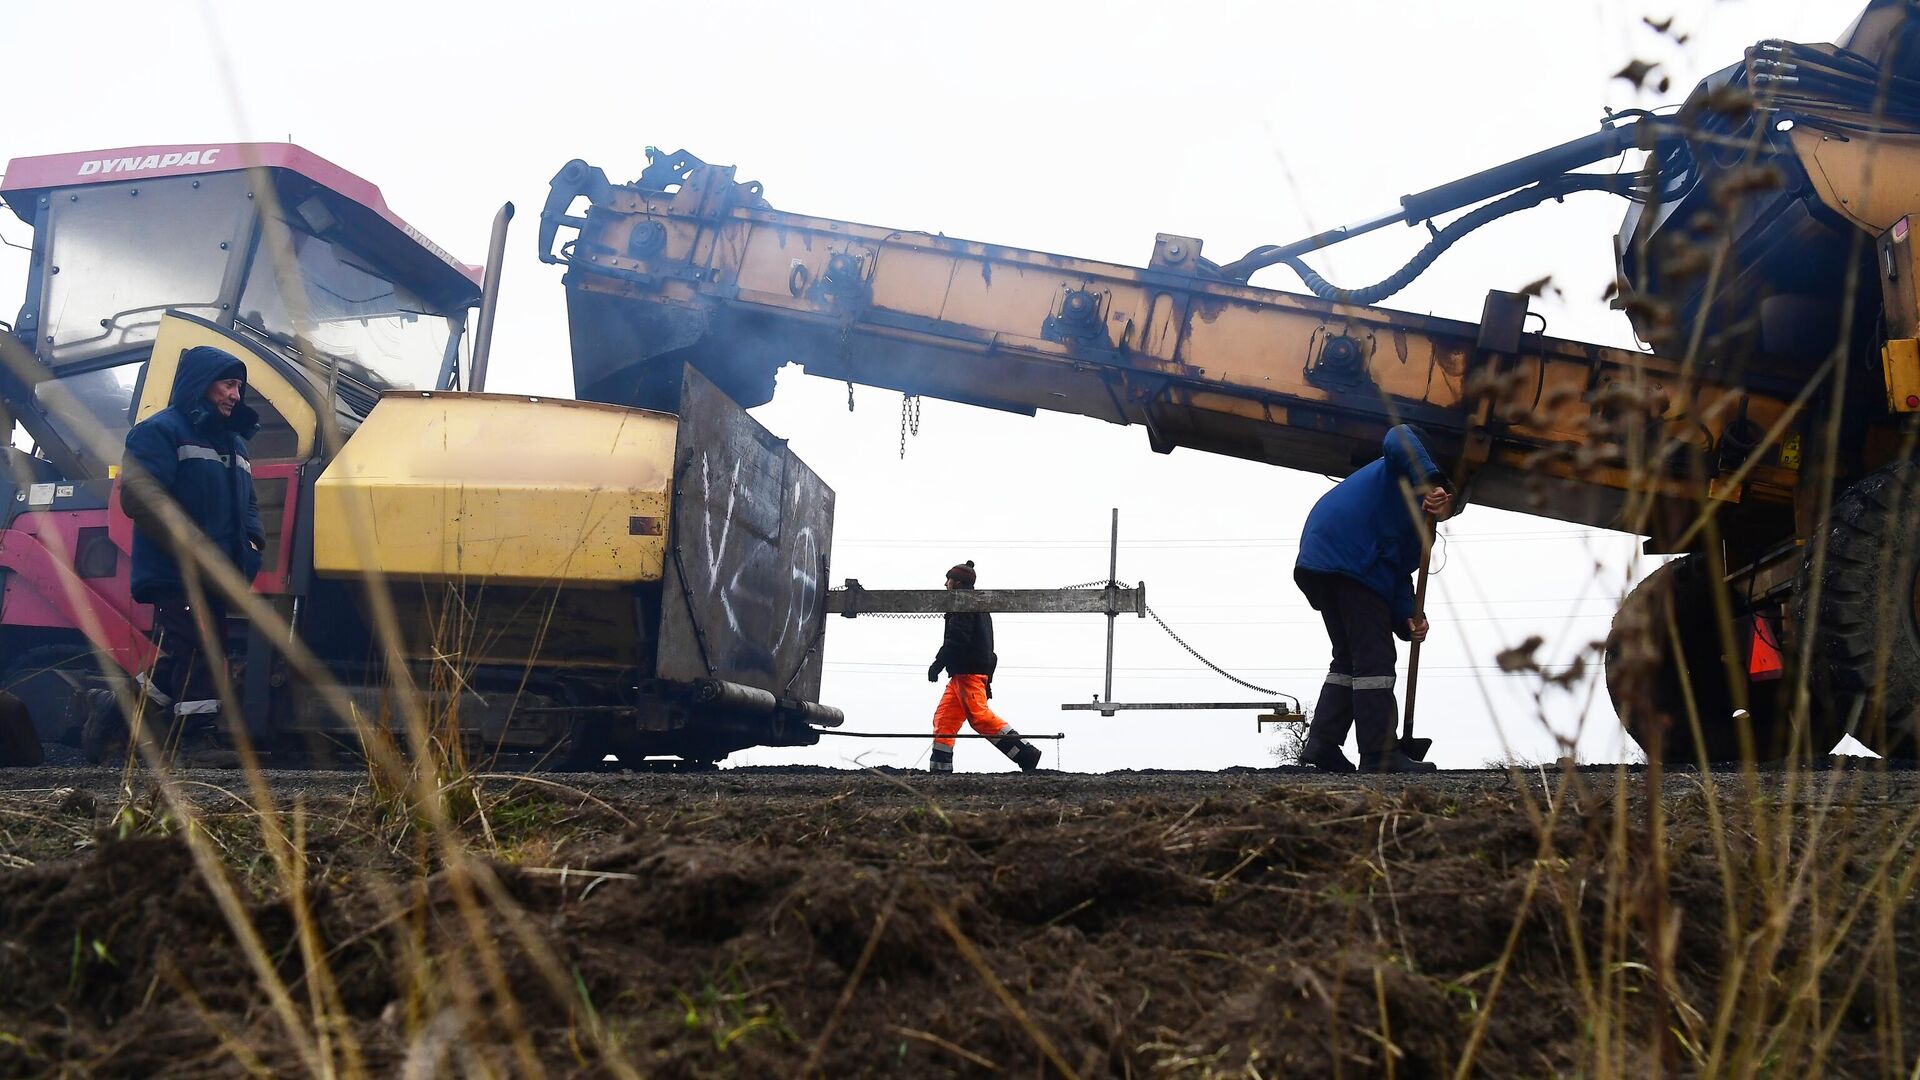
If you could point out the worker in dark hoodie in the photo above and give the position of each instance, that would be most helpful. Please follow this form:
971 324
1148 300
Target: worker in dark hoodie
967 655
193 453
1358 552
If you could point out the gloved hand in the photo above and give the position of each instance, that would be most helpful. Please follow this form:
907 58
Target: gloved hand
933 673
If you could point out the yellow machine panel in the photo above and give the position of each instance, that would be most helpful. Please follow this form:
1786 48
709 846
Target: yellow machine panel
1900 363
499 489
288 424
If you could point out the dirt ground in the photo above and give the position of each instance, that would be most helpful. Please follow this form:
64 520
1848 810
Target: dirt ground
770 922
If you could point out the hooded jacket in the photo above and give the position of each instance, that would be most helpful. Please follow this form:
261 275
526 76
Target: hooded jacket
189 452
1365 528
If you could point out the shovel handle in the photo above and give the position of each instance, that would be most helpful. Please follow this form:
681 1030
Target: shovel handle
1413 655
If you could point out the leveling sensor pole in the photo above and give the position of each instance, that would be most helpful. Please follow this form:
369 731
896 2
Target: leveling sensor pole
1113 600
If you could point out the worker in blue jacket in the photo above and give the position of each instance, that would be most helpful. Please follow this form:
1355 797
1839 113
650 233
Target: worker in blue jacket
194 454
1360 547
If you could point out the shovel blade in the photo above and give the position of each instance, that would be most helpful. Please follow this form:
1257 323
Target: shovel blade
1416 748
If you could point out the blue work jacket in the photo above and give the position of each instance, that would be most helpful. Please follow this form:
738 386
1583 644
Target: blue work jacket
199 458
1367 529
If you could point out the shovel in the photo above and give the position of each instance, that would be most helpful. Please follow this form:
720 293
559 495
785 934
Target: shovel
1412 747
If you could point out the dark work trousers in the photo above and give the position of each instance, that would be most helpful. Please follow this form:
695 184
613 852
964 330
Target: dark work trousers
183 671
1359 687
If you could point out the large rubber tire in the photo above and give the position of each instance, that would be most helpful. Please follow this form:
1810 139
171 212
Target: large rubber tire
1865 661
1649 682
53 681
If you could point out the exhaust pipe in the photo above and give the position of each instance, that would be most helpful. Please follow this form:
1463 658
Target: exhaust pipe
733 696
489 300
753 701
821 715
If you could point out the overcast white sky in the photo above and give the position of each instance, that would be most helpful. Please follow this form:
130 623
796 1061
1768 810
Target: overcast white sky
1074 128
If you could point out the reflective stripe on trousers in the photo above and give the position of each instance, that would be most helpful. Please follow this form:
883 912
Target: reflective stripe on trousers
1362 682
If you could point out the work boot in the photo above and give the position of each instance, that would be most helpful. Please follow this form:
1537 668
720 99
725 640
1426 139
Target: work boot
1396 761
194 740
941 761
1324 756
1018 750
104 737
200 747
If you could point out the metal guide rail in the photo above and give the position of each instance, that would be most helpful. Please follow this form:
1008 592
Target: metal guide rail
1110 600
855 599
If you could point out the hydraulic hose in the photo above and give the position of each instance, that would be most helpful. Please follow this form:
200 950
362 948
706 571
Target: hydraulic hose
1621 132
1443 239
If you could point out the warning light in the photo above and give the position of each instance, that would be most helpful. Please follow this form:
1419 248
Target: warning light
1913 401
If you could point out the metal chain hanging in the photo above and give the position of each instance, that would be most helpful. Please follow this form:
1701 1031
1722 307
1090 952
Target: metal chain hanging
909 420
849 395
1101 583
1217 669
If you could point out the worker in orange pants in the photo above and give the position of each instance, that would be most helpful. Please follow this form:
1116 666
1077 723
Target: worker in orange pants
967 655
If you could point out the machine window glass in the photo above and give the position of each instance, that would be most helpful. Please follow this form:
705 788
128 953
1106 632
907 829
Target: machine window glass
92 410
328 301
276 440
124 258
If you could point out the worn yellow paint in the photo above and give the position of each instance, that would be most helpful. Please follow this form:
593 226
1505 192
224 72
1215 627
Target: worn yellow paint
176 335
1900 360
1790 450
1213 364
1872 179
499 489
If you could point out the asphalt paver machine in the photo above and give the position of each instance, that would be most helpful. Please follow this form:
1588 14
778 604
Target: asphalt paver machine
567 581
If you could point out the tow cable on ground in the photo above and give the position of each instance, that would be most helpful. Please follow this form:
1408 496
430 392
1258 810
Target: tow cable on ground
923 735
